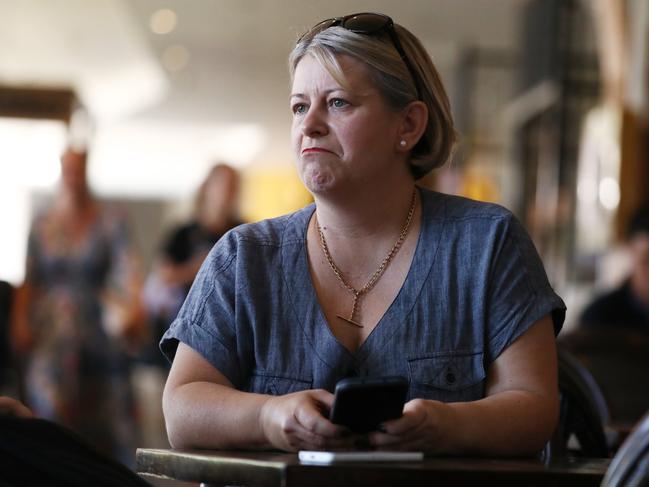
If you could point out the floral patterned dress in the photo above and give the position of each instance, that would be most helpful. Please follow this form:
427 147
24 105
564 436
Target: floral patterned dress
78 373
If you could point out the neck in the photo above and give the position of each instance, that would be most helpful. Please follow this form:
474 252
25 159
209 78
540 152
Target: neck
367 213
69 203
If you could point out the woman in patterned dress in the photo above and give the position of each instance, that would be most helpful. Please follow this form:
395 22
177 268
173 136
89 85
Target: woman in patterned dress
78 315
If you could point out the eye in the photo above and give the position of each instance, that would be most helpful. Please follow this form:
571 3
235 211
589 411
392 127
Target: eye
338 103
299 108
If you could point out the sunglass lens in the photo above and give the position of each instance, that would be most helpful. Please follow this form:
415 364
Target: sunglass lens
324 25
319 27
366 23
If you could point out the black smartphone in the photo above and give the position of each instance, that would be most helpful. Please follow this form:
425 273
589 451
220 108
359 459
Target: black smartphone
363 403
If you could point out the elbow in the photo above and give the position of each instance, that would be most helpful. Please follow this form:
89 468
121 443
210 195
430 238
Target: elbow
177 441
543 427
175 421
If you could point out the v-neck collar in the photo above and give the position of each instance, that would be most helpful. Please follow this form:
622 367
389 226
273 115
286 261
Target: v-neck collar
305 304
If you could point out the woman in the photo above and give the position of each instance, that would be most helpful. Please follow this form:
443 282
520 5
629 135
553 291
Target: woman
377 278
77 315
184 250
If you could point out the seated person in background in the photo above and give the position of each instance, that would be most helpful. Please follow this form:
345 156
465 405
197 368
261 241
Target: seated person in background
628 305
379 277
183 251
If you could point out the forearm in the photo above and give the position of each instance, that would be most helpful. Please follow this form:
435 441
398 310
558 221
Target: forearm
508 423
207 415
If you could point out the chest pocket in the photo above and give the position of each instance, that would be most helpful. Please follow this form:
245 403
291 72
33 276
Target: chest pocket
265 382
447 377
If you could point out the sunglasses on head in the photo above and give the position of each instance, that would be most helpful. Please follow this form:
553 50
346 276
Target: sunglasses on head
368 24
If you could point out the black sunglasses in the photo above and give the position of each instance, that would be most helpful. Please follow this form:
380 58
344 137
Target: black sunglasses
368 24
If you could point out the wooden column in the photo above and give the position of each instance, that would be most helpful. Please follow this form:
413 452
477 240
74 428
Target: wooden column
622 32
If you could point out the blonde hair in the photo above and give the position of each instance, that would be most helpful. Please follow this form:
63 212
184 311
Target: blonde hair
393 80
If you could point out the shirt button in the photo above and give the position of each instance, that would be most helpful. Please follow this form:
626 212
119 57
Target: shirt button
450 378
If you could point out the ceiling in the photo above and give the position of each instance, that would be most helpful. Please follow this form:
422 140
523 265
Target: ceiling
229 100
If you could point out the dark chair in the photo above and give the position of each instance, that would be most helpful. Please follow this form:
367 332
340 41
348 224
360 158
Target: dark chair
618 359
630 465
38 452
583 413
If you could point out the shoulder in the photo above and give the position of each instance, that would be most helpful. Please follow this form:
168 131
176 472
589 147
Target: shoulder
453 207
469 217
283 230
263 238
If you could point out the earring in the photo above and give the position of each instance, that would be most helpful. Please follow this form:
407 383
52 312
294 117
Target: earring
402 143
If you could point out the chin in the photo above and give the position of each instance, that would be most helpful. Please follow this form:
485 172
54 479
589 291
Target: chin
318 181
318 186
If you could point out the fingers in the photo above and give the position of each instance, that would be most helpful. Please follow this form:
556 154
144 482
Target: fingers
324 397
412 431
410 420
313 430
312 420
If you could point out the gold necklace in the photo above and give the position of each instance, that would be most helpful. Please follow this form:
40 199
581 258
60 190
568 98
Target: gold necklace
377 274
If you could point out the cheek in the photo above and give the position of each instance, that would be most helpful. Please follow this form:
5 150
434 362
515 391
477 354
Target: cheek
367 134
296 138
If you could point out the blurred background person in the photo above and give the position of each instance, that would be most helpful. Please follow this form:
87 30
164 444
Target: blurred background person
178 259
77 315
627 306
186 246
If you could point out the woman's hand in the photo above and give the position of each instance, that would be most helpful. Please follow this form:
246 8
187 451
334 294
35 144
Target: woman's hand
298 422
418 429
12 407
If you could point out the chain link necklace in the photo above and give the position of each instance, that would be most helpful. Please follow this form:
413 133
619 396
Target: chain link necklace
377 273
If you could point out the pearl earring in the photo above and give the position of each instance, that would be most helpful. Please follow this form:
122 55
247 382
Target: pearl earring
402 143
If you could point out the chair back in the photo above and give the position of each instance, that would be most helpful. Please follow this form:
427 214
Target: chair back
630 465
618 359
583 411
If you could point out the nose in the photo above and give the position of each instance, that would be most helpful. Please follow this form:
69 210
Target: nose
314 122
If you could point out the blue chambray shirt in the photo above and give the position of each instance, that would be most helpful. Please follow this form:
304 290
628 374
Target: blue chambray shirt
476 283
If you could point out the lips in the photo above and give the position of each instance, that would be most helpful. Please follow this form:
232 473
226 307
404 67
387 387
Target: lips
315 150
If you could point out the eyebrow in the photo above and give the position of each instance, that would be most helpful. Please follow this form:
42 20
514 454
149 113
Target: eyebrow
327 92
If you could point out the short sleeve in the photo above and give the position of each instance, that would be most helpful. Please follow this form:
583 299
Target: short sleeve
519 291
206 321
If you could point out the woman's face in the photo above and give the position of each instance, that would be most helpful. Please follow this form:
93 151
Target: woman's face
341 136
73 172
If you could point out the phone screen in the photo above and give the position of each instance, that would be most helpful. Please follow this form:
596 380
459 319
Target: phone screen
363 403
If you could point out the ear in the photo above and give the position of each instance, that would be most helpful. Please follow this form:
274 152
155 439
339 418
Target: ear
414 119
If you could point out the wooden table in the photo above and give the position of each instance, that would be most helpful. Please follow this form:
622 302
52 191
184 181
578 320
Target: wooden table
253 469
